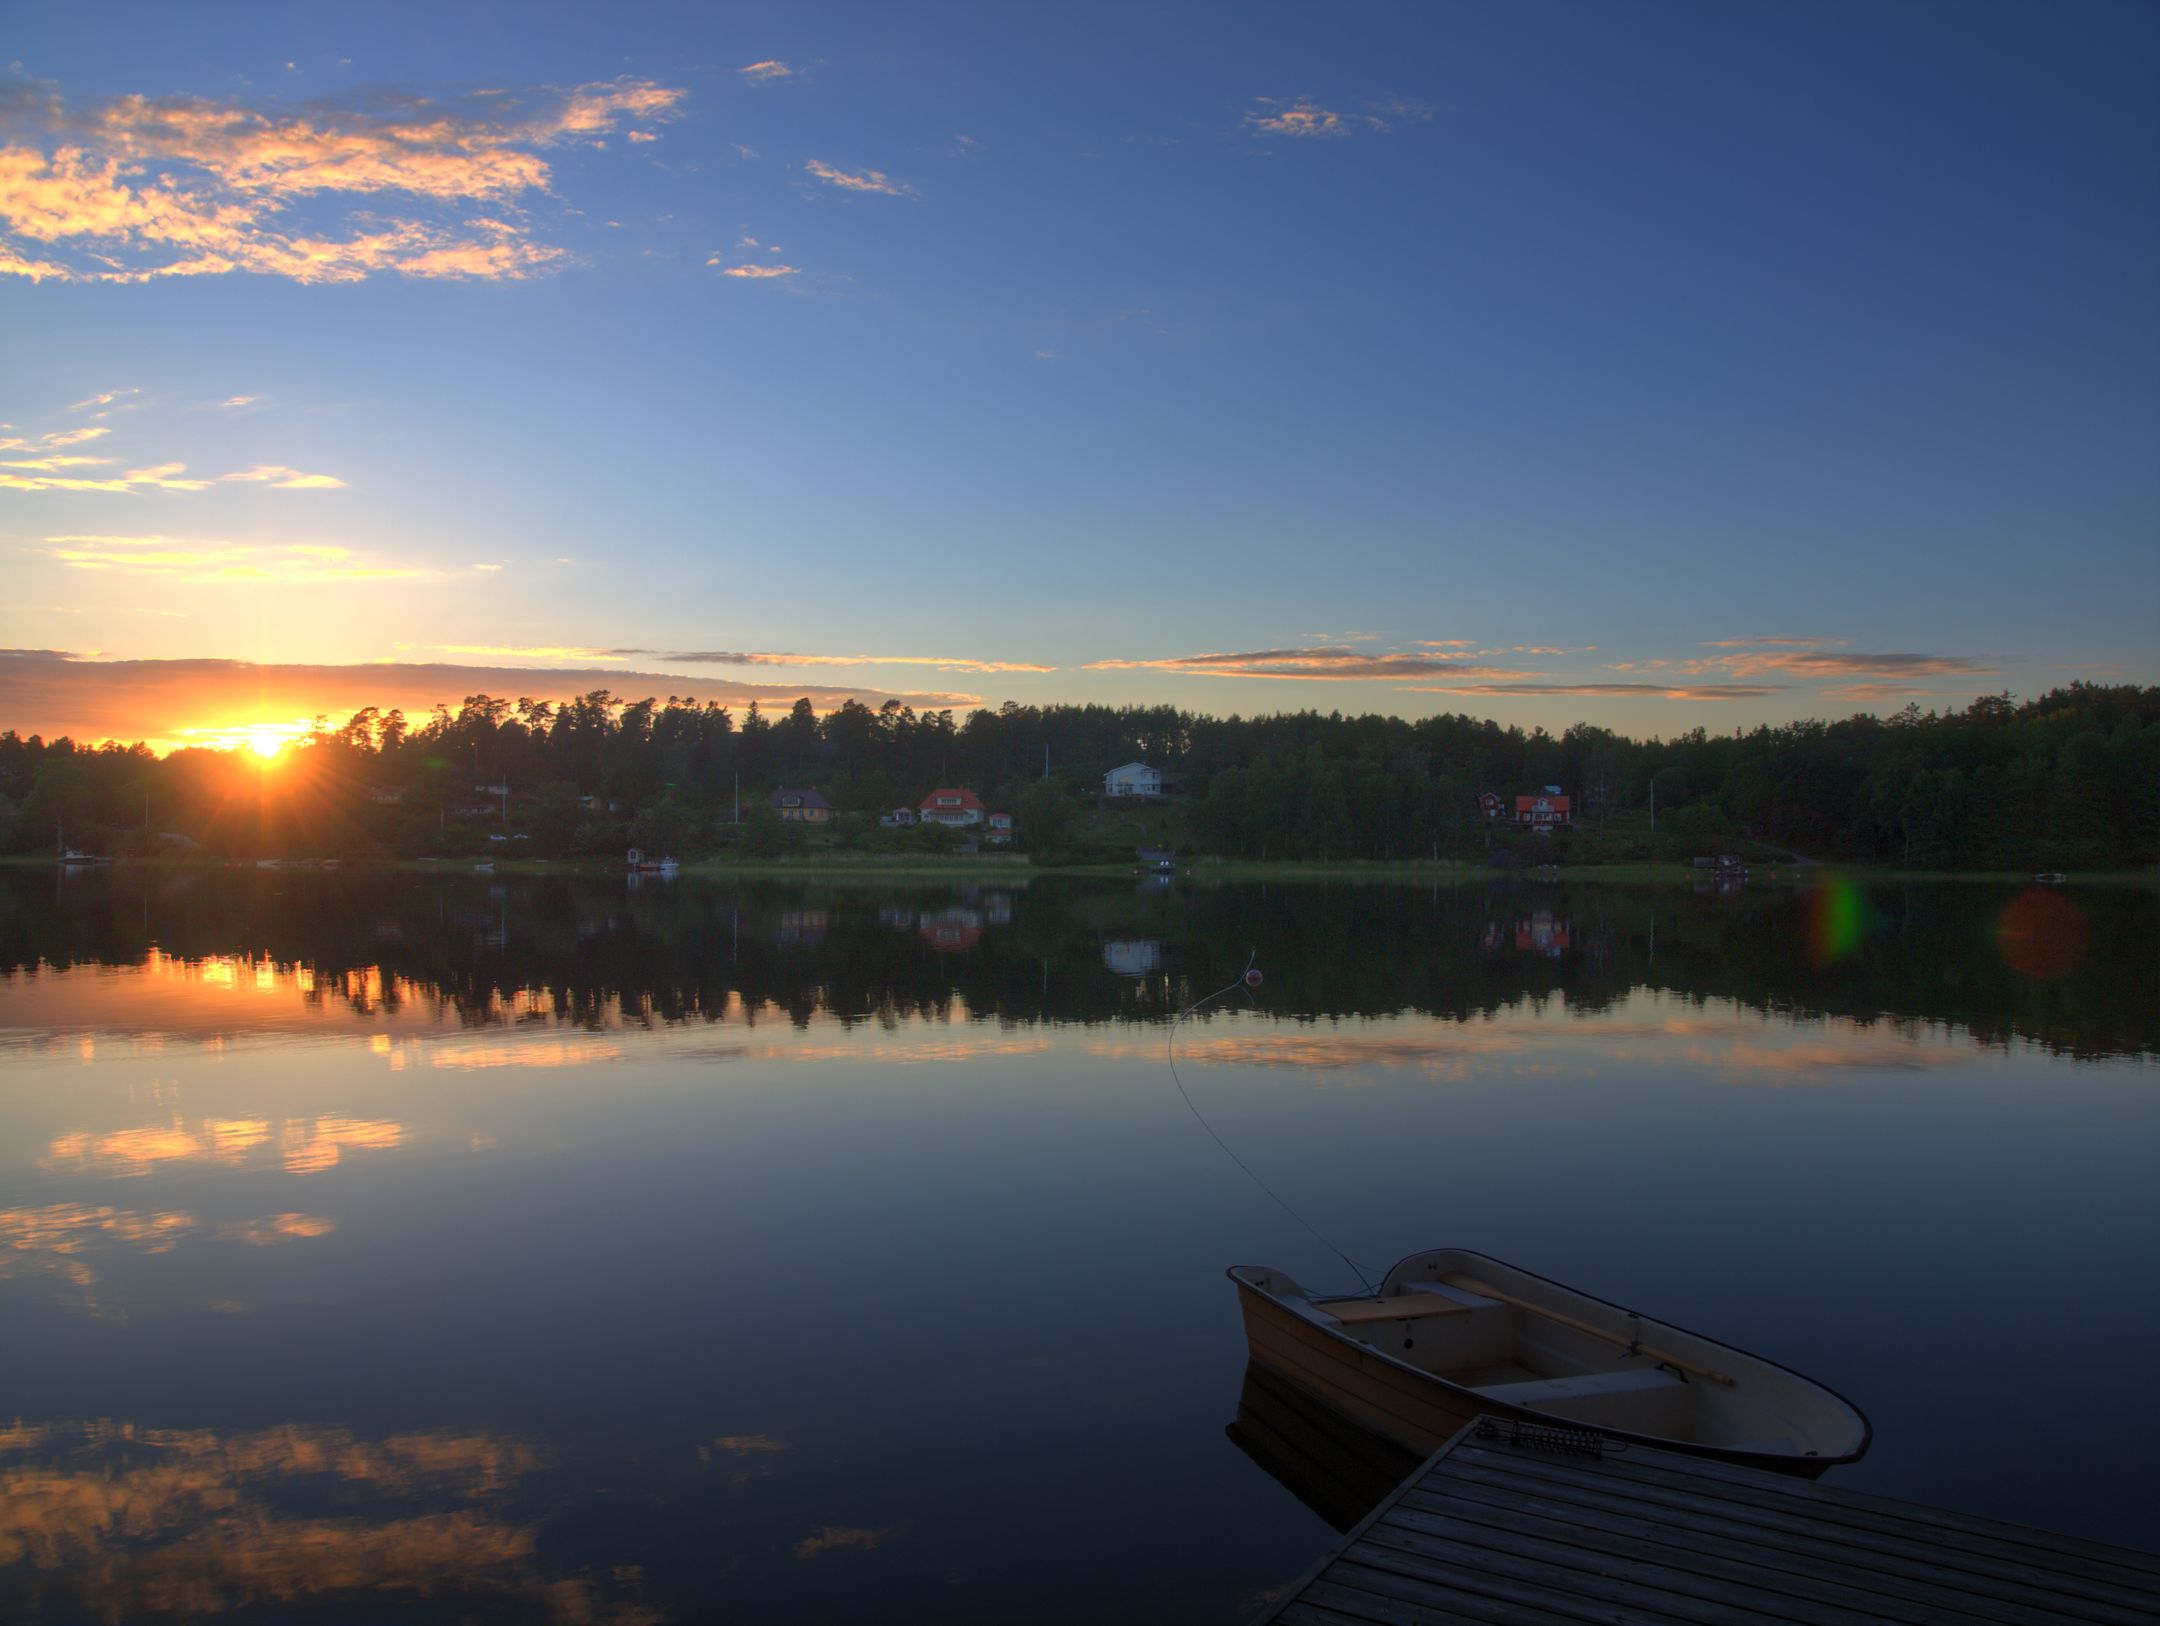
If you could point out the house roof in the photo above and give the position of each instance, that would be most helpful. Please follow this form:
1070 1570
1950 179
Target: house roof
806 796
1123 766
966 799
1526 802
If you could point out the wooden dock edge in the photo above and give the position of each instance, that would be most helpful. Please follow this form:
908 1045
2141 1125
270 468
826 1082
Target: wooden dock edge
1312 1572
1989 1569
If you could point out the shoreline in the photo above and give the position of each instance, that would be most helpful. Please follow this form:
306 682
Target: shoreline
1017 868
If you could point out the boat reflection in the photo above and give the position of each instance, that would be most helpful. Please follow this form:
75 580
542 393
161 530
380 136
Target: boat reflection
1333 1465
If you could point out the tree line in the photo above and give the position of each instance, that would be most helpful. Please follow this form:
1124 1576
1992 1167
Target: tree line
2070 780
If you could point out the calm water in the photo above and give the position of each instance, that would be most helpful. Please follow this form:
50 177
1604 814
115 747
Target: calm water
556 1250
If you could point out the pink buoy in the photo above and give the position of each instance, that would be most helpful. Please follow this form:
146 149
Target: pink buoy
1252 977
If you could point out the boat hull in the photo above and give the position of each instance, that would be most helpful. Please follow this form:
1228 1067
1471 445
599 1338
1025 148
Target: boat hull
1423 1412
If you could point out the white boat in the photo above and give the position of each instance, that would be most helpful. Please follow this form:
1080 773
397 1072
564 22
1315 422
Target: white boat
1453 1335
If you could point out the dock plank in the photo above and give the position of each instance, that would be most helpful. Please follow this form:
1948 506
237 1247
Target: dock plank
1537 1526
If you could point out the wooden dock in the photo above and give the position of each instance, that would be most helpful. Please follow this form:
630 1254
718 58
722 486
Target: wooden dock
1531 1525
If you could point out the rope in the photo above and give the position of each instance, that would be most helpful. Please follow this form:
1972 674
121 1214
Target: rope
1246 979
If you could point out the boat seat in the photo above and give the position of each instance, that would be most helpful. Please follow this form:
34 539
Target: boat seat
1647 1398
1393 1307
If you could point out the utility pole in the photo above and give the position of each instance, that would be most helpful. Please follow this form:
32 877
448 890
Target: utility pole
1653 804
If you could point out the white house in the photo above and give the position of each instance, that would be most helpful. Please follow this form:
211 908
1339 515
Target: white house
1134 779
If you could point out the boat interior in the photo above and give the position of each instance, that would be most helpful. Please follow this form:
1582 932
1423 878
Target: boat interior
1517 1340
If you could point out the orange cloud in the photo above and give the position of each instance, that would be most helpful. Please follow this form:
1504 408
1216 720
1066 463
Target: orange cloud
141 188
869 180
1325 663
755 272
759 73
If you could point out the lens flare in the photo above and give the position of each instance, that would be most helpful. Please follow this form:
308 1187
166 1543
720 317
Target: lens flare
1836 920
2041 935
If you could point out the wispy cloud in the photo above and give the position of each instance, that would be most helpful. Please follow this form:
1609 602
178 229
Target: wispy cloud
1632 691
762 73
181 559
1403 109
42 467
751 271
283 479
868 180
1874 694
1808 659
525 652
1839 664
733 657
41 474
1771 643
1327 663
104 400
239 400
138 188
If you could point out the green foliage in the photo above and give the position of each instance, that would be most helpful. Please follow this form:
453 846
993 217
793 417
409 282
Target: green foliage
766 835
2067 781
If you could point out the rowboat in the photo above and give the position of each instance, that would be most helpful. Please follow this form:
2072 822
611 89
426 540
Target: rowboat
1452 1336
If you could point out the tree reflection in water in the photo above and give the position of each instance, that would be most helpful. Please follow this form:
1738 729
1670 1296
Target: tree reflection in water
586 952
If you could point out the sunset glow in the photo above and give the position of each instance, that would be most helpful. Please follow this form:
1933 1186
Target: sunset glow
976 407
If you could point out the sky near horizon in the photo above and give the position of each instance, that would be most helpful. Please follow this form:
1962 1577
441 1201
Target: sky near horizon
1656 366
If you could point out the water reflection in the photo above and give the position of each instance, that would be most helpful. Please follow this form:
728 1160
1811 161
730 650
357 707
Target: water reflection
1338 1469
803 1207
226 954
116 1522
298 1145
67 1242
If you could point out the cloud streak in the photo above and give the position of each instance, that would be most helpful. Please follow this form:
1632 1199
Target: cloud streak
868 180
732 657
1303 119
177 559
1324 664
136 188
1612 691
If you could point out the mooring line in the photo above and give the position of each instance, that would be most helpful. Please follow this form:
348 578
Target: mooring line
1249 979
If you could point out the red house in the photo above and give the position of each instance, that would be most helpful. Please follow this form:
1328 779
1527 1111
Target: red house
957 808
1548 810
1490 804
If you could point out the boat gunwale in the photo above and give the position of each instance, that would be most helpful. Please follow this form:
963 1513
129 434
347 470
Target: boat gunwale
1743 1456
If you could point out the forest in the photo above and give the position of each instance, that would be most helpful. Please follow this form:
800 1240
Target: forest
2069 781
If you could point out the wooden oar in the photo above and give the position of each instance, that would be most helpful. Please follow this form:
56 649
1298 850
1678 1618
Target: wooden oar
1470 1284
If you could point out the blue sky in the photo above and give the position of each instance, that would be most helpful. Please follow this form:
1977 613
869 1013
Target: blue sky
1659 366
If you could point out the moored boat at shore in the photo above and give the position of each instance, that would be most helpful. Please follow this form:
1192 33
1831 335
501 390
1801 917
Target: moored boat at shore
1454 1335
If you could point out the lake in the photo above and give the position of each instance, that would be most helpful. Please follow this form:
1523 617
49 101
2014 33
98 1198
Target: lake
565 1249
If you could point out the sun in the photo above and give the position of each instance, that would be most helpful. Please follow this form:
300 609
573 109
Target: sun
266 744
